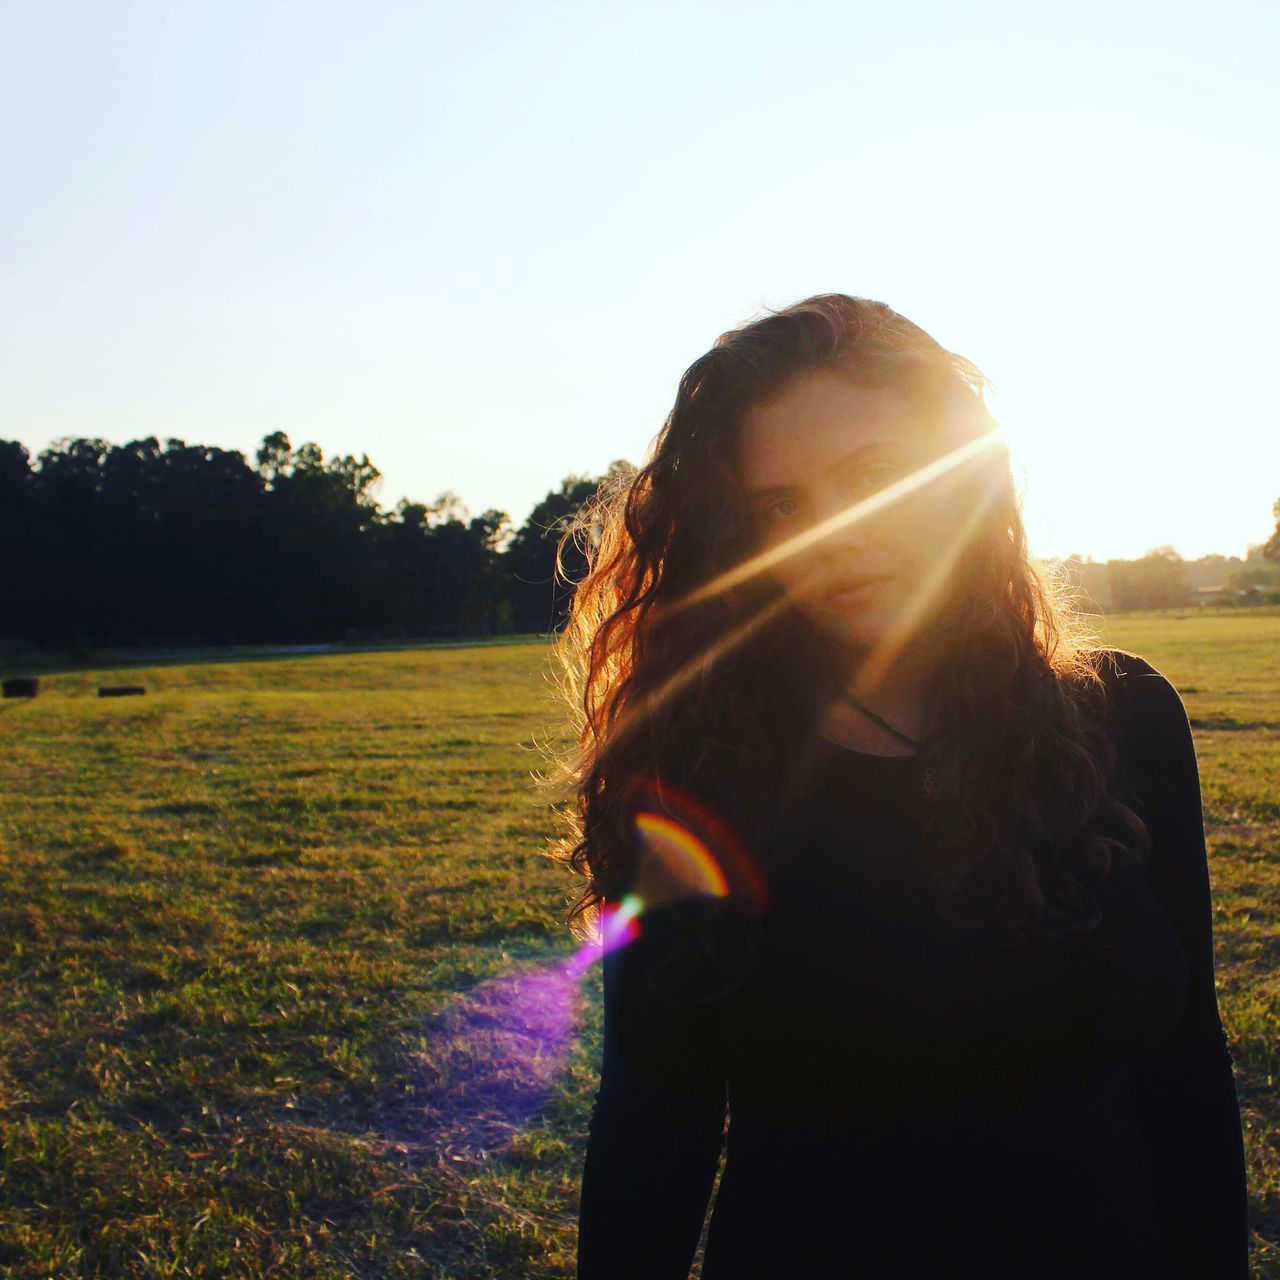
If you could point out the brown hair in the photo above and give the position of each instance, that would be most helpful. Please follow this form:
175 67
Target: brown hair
670 680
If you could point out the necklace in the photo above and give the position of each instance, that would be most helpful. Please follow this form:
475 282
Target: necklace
929 777
880 720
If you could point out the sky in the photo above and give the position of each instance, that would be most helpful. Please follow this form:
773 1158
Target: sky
480 243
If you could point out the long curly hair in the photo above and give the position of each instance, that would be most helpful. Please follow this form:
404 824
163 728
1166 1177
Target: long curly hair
683 671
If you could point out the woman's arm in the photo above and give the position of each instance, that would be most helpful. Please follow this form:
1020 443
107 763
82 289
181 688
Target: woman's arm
1184 1093
657 1127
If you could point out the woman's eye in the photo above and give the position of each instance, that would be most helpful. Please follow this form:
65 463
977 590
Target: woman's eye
782 509
877 477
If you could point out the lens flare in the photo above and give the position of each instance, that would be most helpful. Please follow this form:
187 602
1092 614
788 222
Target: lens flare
679 857
973 452
618 924
684 850
490 1061
687 849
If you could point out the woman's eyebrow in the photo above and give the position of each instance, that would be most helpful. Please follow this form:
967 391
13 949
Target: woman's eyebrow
855 457
770 491
848 461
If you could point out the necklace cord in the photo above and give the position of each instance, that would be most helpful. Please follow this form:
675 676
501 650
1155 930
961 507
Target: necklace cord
881 721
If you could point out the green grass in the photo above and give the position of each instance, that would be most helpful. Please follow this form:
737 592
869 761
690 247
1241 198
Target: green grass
271 938
234 915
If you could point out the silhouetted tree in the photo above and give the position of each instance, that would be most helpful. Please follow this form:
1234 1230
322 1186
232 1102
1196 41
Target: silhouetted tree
19 580
1157 581
1272 547
1257 572
320 559
146 540
487 601
447 567
540 595
181 533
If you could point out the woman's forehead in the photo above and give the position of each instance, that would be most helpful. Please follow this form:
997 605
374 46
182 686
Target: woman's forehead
818 419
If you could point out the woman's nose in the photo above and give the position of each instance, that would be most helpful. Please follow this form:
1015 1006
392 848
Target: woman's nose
844 522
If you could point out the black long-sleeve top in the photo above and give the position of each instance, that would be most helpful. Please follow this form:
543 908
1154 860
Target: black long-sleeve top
909 1100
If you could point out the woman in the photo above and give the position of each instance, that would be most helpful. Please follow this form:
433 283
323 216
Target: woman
894 869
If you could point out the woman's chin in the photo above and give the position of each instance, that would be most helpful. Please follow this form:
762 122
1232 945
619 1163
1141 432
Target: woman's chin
852 632
868 631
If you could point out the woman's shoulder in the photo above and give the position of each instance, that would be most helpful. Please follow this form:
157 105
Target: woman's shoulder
1148 725
1119 665
1136 688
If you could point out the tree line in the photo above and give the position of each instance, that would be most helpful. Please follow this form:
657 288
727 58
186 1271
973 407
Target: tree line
1162 579
148 541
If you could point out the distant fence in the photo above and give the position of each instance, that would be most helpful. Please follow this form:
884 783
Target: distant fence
221 640
441 631
19 645
16 651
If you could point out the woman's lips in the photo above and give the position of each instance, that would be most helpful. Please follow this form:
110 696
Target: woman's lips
852 589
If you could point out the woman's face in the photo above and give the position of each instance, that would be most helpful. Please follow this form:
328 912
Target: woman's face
821 448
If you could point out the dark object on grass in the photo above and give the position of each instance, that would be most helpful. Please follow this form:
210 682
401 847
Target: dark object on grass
21 687
121 690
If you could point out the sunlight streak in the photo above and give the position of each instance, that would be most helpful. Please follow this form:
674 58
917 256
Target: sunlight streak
700 663
900 489
890 644
918 605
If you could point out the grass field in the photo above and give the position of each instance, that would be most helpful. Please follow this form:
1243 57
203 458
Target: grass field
281 981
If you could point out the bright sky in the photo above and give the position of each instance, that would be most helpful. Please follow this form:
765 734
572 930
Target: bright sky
480 242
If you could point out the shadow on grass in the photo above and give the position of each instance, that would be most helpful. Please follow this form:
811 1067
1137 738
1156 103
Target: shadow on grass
1230 724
